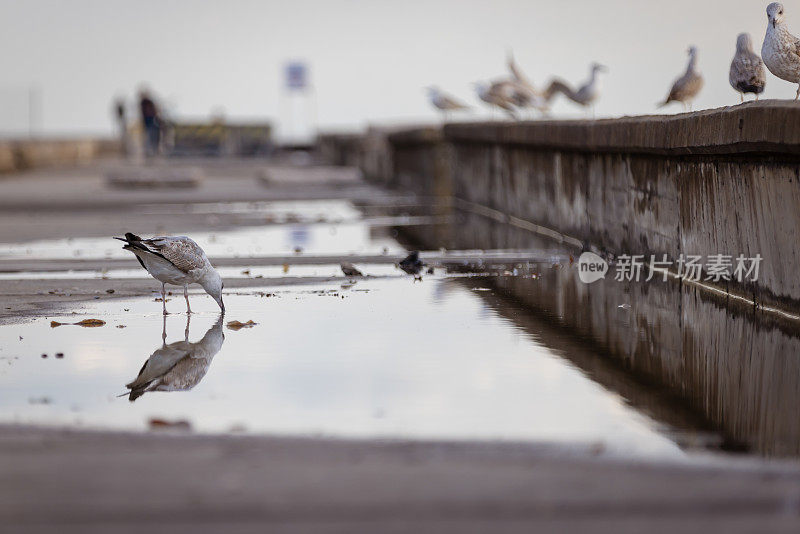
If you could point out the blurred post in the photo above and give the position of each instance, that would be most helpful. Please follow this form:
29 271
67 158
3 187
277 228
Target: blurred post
122 125
34 109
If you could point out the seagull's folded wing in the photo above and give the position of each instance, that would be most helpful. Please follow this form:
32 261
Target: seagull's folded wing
183 253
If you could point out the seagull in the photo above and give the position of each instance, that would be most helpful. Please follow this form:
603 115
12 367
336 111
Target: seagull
747 70
536 98
178 366
412 265
444 102
781 49
587 94
686 88
178 261
350 270
496 95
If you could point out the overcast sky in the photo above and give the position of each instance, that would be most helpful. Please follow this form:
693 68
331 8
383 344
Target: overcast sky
369 59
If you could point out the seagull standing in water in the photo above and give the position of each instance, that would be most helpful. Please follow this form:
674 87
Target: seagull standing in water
686 88
781 49
747 73
178 261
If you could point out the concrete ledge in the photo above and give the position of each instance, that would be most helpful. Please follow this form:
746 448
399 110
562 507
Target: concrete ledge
765 127
22 155
723 181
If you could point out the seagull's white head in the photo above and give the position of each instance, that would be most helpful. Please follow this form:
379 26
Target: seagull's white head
212 283
481 88
744 43
775 14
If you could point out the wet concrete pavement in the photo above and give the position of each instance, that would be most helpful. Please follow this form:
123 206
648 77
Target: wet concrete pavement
461 356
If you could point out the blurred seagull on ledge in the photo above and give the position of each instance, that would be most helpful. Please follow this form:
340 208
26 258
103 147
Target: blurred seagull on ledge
686 88
535 98
497 95
747 73
178 261
444 102
781 49
586 95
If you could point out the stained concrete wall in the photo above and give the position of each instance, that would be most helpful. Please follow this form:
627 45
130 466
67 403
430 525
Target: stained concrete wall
21 155
723 181
720 181
734 368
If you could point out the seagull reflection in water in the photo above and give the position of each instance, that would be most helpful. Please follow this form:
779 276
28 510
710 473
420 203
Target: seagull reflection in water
178 366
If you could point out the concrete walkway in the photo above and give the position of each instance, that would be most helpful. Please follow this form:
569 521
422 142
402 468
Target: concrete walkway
93 482
58 481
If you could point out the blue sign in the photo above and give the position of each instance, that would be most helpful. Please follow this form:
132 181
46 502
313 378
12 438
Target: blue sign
296 75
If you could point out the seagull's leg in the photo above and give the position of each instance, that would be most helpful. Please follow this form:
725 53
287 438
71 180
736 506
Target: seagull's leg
797 95
164 297
186 332
186 296
164 330
741 98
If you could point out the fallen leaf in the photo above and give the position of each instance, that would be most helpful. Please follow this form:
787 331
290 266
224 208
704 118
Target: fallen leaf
121 326
86 323
157 424
91 323
237 325
285 268
246 272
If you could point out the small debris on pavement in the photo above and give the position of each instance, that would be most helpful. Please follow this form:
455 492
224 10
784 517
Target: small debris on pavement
86 323
162 424
237 325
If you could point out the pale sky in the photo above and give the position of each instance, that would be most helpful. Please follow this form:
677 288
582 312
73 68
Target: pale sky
370 60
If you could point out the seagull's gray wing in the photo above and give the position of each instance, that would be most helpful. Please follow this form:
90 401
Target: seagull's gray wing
449 102
686 87
181 251
749 70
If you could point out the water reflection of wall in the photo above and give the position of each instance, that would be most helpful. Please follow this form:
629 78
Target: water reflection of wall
731 365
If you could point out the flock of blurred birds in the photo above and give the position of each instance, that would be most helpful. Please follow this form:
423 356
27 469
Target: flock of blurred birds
515 93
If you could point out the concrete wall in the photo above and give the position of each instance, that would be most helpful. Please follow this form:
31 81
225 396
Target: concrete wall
340 149
723 181
720 181
737 371
21 155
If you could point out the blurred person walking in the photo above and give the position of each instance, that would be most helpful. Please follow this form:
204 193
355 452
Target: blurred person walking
151 122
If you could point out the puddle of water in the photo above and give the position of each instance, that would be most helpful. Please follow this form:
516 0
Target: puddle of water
276 240
388 358
270 271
